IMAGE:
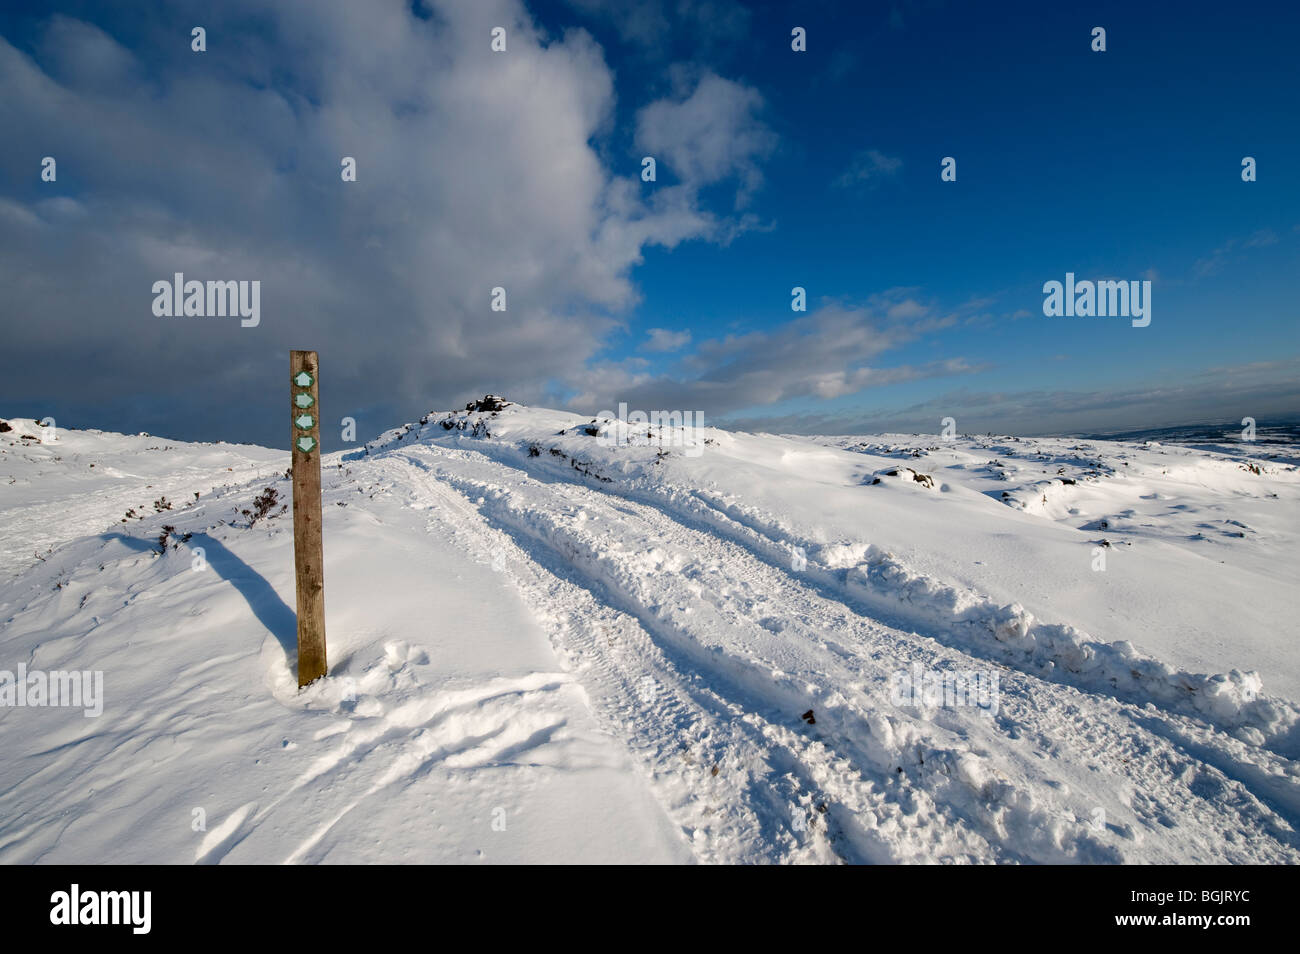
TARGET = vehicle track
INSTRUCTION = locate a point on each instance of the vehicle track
(736, 646)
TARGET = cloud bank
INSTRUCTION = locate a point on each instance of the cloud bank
(475, 170)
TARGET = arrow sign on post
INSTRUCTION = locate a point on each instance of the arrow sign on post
(309, 560)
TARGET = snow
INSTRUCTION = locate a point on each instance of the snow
(549, 645)
(79, 482)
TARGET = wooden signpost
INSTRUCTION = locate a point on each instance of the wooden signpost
(309, 562)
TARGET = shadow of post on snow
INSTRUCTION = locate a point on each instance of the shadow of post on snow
(262, 599)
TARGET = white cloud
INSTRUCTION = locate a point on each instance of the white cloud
(828, 353)
(1215, 394)
(1231, 251)
(868, 168)
(711, 134)
(475, 169)
(661, 339)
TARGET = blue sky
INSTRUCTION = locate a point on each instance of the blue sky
(775, 169)
(1118, 164)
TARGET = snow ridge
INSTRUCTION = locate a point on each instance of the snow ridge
(883, 582)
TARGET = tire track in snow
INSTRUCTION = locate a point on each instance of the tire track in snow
(1021, 817)
(677, 729)
(697, 509)
(754, 688)
(1268, 772)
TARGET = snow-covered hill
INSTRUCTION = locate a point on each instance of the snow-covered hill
(559, 639)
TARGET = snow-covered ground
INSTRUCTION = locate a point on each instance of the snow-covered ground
(549, 645)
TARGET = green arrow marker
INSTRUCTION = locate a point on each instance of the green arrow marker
(304, 421)
(302, 379)
(303, 400)
(305, 444)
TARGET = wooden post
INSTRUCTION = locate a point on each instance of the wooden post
(309, 561)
